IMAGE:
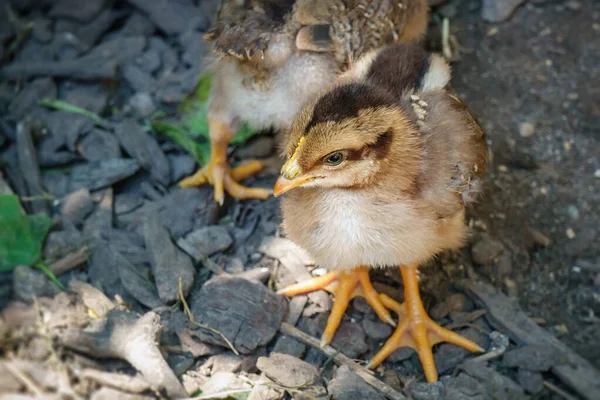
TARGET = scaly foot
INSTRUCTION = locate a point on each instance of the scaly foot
(218, 172)
(416, 329)
(345, 285)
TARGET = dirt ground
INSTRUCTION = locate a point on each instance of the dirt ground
(542, 67)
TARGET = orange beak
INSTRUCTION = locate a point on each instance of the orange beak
(284, 185)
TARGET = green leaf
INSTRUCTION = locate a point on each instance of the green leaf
(64, 106)
(190, 130)
(21, 235)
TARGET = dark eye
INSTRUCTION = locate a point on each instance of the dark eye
(334, 158)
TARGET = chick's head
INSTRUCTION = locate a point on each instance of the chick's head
(346, 139)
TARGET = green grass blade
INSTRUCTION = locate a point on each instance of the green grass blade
(68, 107)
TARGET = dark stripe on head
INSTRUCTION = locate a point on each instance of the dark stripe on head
(399, 67)
(345, 102)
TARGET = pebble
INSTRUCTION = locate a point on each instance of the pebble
(142, 104)
(287, 370)
(426, 391)
(573, 212)
(526, 129)
(597, 173)
(376, 330)
(77, 206)
(206, 241)
(487, 250)
(346, 385)
(531, 381)
(534, 358)
(570, 233)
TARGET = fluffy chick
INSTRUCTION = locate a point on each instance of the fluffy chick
(276, 55)
(383, 166)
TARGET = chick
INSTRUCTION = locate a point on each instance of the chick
(383, 166)
(276, 55)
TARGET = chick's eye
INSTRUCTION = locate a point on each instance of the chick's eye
(334, 159)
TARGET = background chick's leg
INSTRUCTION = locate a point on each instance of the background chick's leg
(218, 172)
(416, 329)
(345, 285)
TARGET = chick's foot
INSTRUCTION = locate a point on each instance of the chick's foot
(416, 329)
(218, 172)
(345, 285)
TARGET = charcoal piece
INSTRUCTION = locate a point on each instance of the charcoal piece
(287, 370)
(449, 355)
(78, 10)
(426, 391)
(247, 313)
(346, 385)
(195, 48)
(143, 104)
(135, 282)
(287, 345)
(6, 28)
(122, 49)
(76, 206)
(177, 84)
(91, 32)
(29, 97)
(145, 149)
(376, 330)
(463, 386)
(182, 165)
(138, 25)
(138, 79)
(169, 264)
(101, 174)
(99, 145)
(85, 68)
(498, 10)
(30, 169)
(349, 339)
(535, 357)
(29, 283)
(497, 385)
(55, 159)
(127, 202)
(169, 59)
(101, 219)
(531, 381)
(67, 127)
(129, 244)
(2, 139)
(90, 96)
(171, 17)
(42, 30)
(149, 61)
(56, 183)
(180, 211)
(206, 241)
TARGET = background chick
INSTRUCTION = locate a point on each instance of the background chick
(276, 55)
(384, 164)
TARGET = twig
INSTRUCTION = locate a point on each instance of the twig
(28, 382)
(498, 347)
(559, 391)
(190, 316)
(126, 383)
(70, 261)
(341, 359)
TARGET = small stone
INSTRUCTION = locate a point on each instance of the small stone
(348, 339)
(29, 283)
(531, 381)
(76, 206)
(459, 302)
(570, 233)
(101, 174)
(573, 5)
(287, 370)
(142, 104)
(182, 165)
(526, 129)
(224, 362)
(287, 345)
(426, 391)
(498, 10)
(573, 212)
(180, 363)
(487, 251)
(376, 330)
(346, 385)
(169, 264)
(234, 265)
(597, 173)
(206, 241)
(138, 79)
(534, 358)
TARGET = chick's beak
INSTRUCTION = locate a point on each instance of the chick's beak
(284, 185)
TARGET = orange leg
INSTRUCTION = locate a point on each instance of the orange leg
(345, 285)
(417, 330)
(218, 172)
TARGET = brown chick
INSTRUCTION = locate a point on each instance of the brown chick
(276, 55)
(382, 167)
